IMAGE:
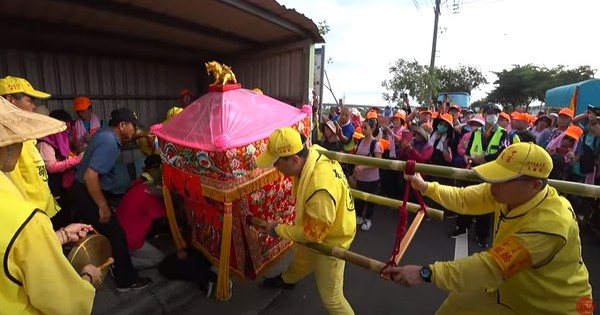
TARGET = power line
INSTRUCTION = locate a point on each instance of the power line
(416, 3)
(482, 2)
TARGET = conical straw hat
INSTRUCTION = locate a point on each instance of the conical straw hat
(17, 125)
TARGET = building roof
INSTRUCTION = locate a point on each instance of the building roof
(175, 29)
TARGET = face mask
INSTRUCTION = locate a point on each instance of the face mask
(442, 128)
(491, 119)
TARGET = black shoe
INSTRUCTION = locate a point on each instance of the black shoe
(451, 215)
(458, 233)
(277, 283)
(482, 242)
(139, 284)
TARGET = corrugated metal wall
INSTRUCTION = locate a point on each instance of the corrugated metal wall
(281, 73)
(148, 88)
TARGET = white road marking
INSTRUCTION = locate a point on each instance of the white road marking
(461, 246)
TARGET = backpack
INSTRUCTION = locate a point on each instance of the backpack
(372, 148)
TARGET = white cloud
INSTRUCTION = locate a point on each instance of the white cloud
(367, 36)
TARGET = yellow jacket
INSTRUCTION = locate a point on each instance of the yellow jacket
(535, 265)
(36, 277)
(324, 205)
(31, 178)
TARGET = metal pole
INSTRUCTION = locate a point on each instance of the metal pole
(433, 46)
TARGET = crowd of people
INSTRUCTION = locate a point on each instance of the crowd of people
(536, 251)
(457, 137)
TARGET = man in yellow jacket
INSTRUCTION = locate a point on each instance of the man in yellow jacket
(36, 276)
(324, 214)
(30, 175)
(535, 265)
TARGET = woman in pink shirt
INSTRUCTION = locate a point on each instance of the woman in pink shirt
(367, 177)
(394, 134)
(57, 156)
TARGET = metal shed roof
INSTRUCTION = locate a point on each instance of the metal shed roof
(179, 30)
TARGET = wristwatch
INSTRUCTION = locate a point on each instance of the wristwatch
(426, 273)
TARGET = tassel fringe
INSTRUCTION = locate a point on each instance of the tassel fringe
(223, 290)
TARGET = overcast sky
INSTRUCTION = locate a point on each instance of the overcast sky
(368, 35)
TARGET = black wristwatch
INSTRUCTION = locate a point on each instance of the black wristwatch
(426, 273)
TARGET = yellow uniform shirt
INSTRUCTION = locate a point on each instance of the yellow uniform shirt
(36, 277)
(31, 178)
(327, 213)
(534, 267)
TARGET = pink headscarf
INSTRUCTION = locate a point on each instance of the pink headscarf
(59, 141)
(557, 143)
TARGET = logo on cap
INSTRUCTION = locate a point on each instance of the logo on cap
(286, 148)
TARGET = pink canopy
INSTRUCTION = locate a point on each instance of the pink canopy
(223, 120)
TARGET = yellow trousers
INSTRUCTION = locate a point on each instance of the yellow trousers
(472, 303)
(329, 272)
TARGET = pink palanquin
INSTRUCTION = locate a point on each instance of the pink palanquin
(209, 153)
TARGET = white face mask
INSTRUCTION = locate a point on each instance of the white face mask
(491, 119)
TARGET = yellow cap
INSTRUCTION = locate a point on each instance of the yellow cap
(524, 158)
(358, 135)
(13, 85)
(282, 142)
(174, 111)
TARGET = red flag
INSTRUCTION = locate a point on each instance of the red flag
(573, 103)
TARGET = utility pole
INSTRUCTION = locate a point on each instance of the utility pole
(433, 46)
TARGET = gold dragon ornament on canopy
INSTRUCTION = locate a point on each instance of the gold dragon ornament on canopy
(222, 73)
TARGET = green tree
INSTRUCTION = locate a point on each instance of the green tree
(407, 77)
(515, 86)
(522, 85)
(323, 28)
(415, 79)
(461, 79)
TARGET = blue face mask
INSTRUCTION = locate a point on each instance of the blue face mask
(442, 128)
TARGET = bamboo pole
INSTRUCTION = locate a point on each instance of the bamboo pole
(393, 203)
(452, 172)
(329, 250)
(346, 255)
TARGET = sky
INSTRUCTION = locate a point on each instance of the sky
(367, 36)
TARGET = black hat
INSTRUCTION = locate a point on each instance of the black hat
(491, 107)
(123, 115)
(594, 108)
(152, 161)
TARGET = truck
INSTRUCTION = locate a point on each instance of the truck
(461, 99)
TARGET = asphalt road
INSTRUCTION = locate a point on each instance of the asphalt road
(369, 294)
(365, 290)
